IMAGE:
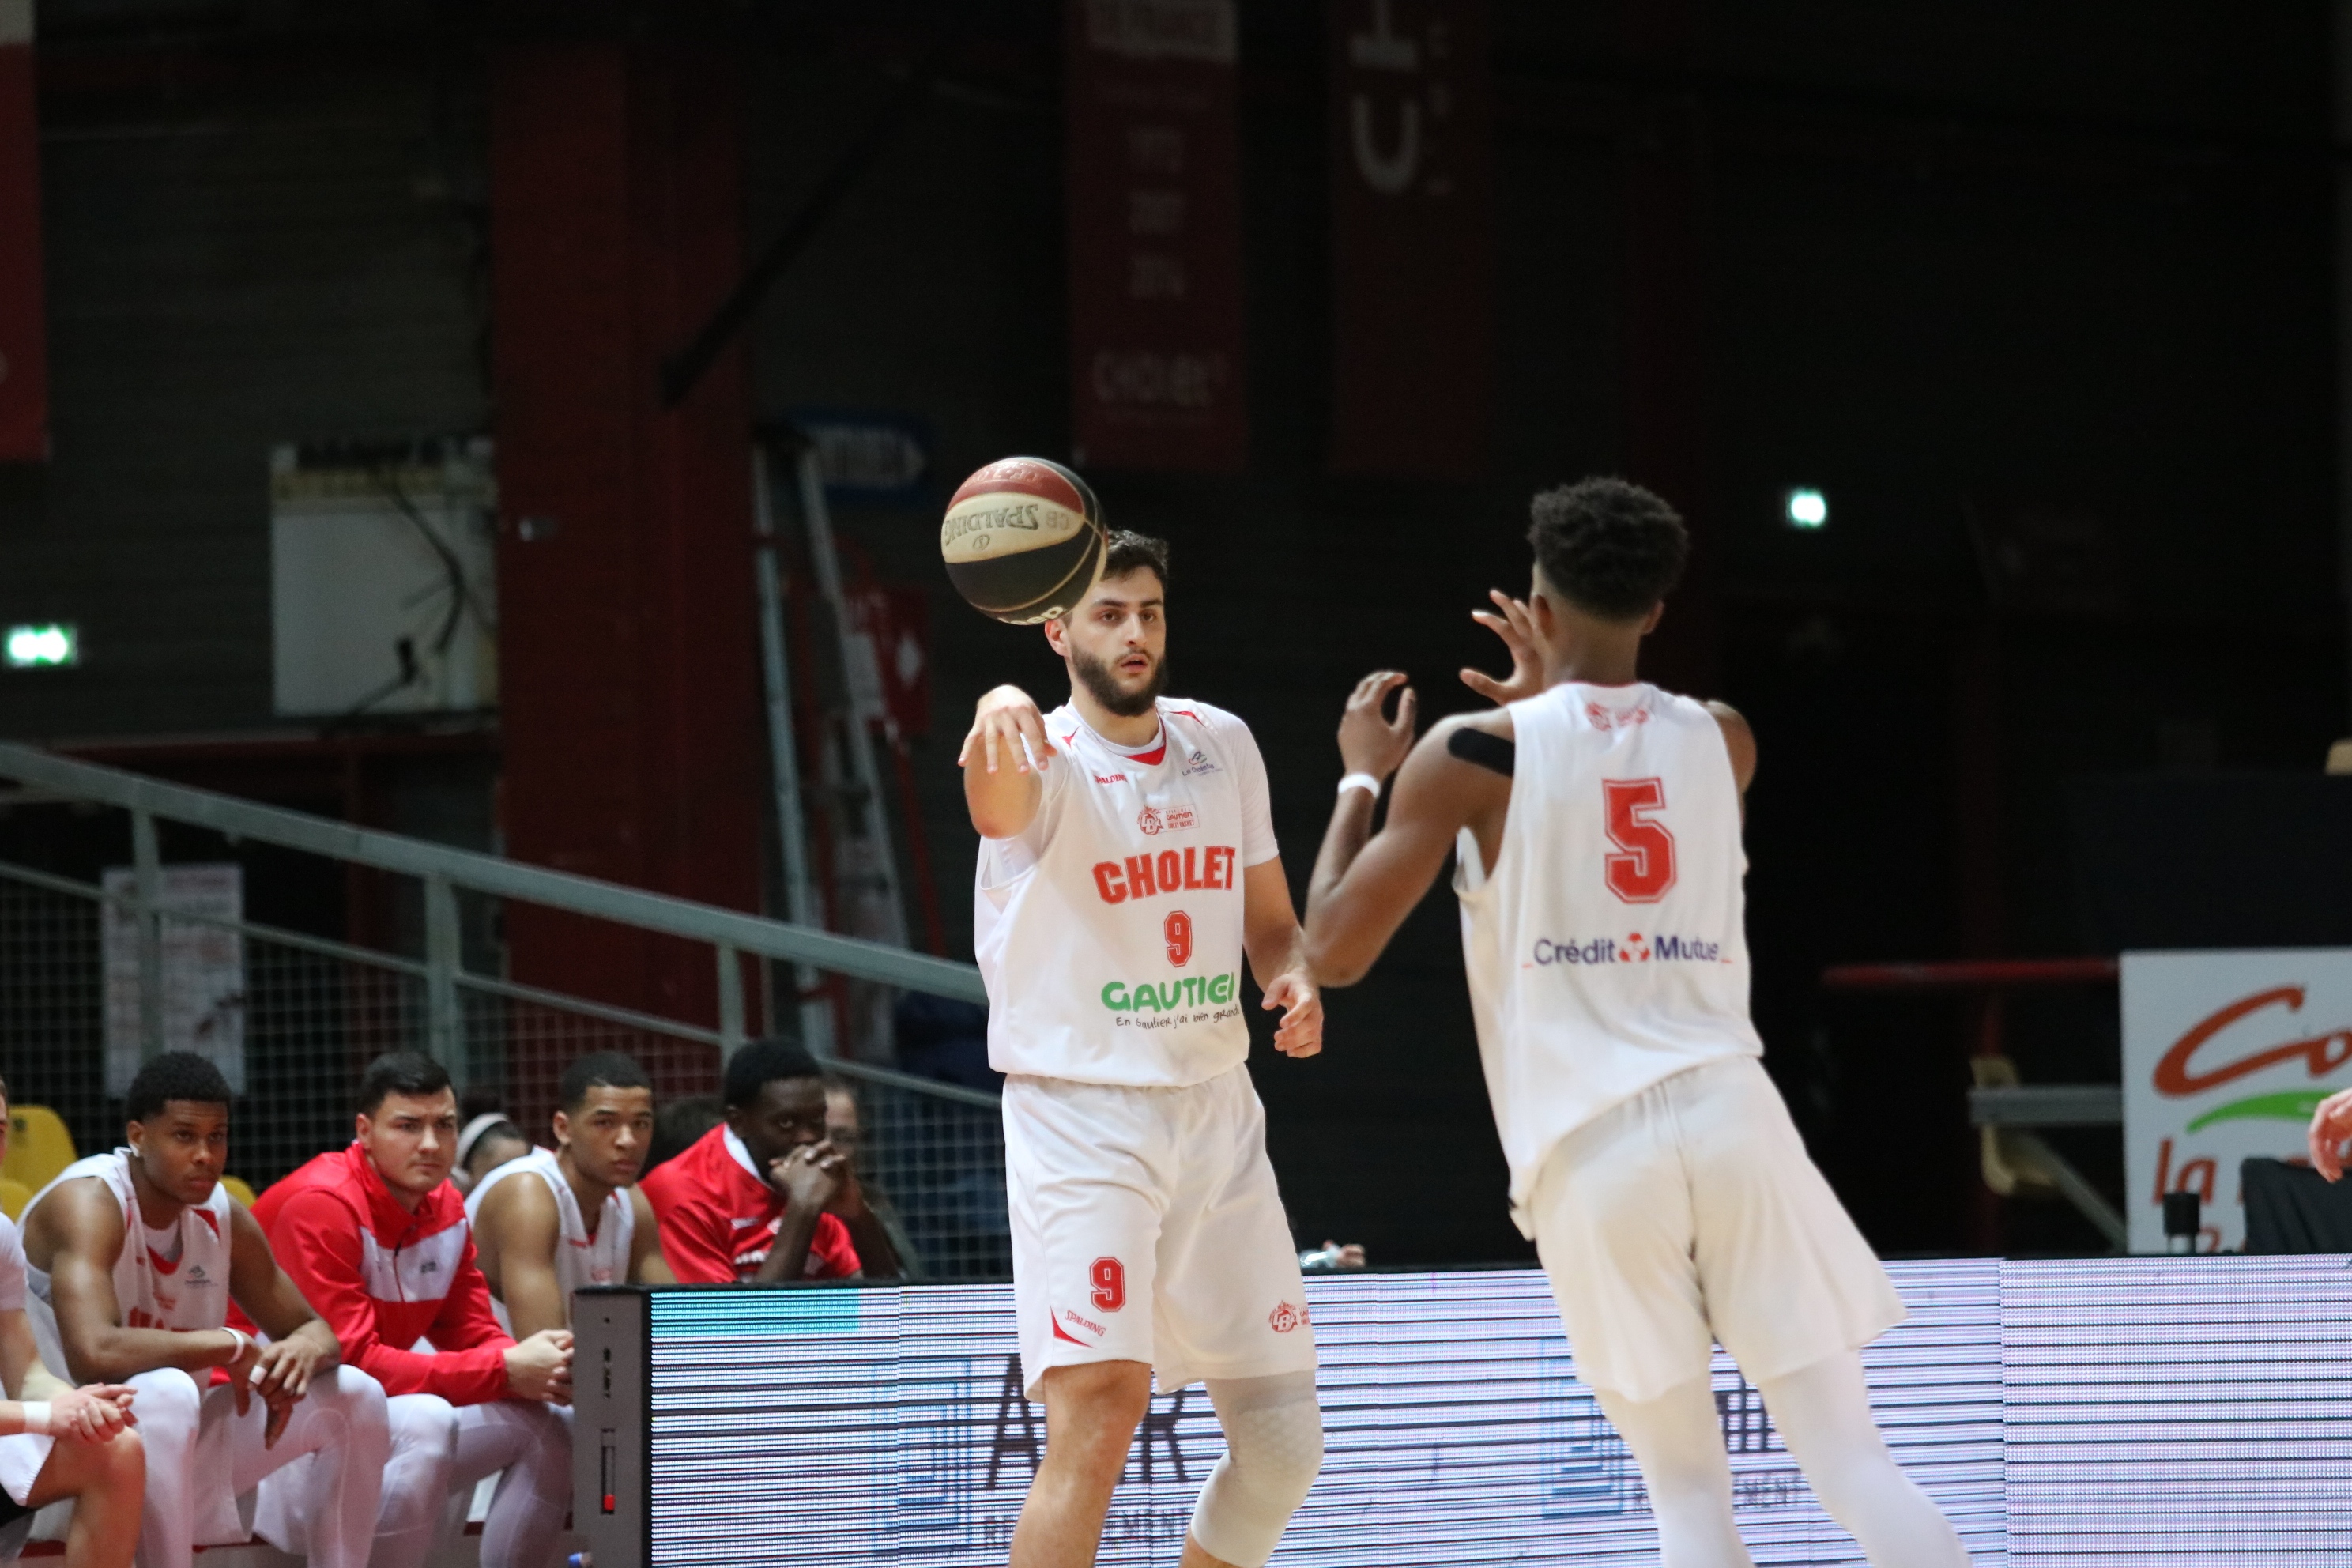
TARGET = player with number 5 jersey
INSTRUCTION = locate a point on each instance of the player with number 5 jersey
(1595, 821)
(1126, 866)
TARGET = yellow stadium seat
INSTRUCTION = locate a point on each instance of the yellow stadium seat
(239, 1190)
(38, 1146)
(14, 1197)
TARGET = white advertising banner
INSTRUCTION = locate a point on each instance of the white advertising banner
(2225, 1055)
(204, 970)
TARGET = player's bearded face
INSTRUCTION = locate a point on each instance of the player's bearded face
(1127, 685)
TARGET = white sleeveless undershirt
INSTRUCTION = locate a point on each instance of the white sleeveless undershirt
(1605, 947)
(581, 1259)
(183, 1285)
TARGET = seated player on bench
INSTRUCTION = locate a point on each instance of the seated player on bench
(66, 1442)
(763, 1196)
(550, 1222)
(135, 1257)
(376, 1237)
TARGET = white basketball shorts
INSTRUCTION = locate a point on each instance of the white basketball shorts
(1691, 1213)
(1146, 1226)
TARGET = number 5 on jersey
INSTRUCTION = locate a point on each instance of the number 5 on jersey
(1643, 868)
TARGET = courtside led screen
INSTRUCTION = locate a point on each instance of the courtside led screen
(2113, 1412)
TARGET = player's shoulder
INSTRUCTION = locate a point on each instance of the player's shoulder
(518, 1198)
(1193, 710)
(1188, 719)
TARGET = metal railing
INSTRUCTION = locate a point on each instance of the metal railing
(298, 1012)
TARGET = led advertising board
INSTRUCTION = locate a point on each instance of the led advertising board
(2060, 1412)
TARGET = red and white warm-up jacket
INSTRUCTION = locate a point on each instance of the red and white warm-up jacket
(384, 1278)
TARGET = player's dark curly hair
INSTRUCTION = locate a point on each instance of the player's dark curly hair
(1614, 548)
(761, 1063)
(174, 1074)
(1132, 551)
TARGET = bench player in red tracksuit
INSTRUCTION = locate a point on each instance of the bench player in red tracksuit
(376, 1238)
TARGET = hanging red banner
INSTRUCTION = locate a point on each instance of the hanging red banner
(1412, 193)
(24, 356)
(1156, 351)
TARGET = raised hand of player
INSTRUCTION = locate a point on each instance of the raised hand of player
(1300, 1033)
(1005, 719)
(2331, 1129)
(92, 1413)
(1516, 625)
(811, 1174)
(1370, 741)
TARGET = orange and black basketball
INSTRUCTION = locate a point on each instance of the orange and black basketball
(1024, 540)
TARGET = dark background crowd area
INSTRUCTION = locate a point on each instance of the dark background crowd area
(2042, 298)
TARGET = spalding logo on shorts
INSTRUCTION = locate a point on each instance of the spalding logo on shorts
(1023, 540)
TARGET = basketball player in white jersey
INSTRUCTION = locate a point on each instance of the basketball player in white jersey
(1596, 823)
(135, 1257)
(1128, 862)
(549, 1222)
(58, 1442)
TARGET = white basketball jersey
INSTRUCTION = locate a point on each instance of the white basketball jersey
(580, 1258)
(151, 1290)
(1110, 933)
(1605, 947)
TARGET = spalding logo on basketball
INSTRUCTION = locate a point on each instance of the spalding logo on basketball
(1024, 540)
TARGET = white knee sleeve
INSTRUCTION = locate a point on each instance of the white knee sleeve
(1273, 1445)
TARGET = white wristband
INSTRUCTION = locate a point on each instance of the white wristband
(37, 1416)
(243, 1342)
(1365, 782)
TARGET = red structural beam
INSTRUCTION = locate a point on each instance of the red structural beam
(1971, 975)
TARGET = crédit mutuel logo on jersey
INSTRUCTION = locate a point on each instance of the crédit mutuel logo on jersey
(1635, 949)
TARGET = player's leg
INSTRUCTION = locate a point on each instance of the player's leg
(1677, 1441)
(417, 1481)
(1091, 1414)
(1822, 1412)
(1793, 1291)
(106, 1481)
(532, 1445)
(1273, 1447)
(1614, 1224)
(170, 1415)
(342, 1427)
(1081, 1190)
(1233, 1312)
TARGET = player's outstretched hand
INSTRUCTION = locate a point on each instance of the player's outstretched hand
(2331, 1129)
(1300, 1033)
(1005, 719)
(1516, 627)
(1370, 741)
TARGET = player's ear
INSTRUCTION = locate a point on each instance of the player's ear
(1650, 622)
(1057, 634)
(561, 1123)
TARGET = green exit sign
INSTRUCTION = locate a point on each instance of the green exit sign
(51, 646)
